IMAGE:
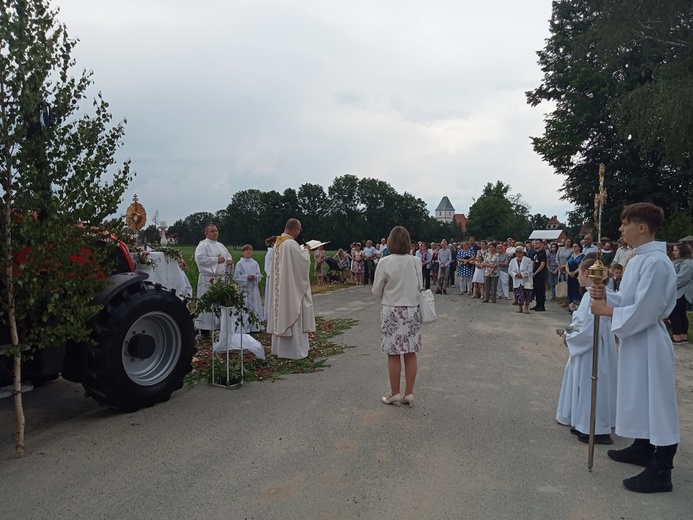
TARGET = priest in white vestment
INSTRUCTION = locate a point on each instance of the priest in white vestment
(213, 261)
(290, 315)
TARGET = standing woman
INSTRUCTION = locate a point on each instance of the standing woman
(552, 260)
(521, 270)
(564, 253)
(320, 266)
(357, 263)
(269, 242)
(400, 318)
(465, 268)
(572, 270)
(683, 263)
(424, 255)
(479, 272)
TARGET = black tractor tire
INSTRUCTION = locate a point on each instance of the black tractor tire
(145, 344)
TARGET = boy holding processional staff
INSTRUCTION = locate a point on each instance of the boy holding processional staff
(646, 408)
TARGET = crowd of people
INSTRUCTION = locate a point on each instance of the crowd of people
(528, 273)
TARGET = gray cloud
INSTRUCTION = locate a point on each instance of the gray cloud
(222, 96)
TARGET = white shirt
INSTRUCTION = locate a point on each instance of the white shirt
(398, 280)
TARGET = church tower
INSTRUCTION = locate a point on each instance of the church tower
(445, 212)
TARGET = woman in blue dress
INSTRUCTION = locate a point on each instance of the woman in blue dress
(465, 268)
(572, 270)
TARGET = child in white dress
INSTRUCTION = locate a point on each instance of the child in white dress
(248, 276)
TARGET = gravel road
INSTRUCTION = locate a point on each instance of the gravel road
(481, 442)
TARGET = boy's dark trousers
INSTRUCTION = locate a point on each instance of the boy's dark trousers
(540, 290)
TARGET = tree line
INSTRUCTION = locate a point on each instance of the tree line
(354, 209)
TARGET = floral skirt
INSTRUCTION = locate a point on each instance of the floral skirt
(400, 330)
(523, 295)
(357, 266)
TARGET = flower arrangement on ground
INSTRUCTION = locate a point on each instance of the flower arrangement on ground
(222, 293)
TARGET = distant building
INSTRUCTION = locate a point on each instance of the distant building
(549, 235)
(461, 221)
(445, 212)
(553, 223)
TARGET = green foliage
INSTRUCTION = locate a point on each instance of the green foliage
(677, 226)
(220, 293)
(352, 209)
(657, 110)
(53, 162)
(611, 86)
(191, 229)
(495, 215)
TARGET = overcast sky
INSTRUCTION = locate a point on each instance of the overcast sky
(226, 95)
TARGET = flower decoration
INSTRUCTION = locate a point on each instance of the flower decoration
(222, 293)
(170, 252)
(142, 257)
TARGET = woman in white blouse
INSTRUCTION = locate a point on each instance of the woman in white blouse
(521, 270)
(398, 281)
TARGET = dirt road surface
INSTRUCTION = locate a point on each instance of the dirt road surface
(481, 443)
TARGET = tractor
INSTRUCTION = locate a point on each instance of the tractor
(143, 344)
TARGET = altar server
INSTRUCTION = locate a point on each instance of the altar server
(574, 403)
(646, 408)
(247, 275)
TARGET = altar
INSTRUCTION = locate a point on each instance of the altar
(166, 272)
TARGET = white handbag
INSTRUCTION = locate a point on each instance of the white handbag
(427, 306)
(427, 303)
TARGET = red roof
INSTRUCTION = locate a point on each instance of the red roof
(461, 221)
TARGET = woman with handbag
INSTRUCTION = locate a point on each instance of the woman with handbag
(554, 271)
(521, 270)
(398, 282)
(564, 253)
(683, 264)
(572, 270)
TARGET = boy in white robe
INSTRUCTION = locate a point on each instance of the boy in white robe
(247, 275)
(646, 408)
(574, 403)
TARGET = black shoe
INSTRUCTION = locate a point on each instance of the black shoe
(598, 439)
(438, 291)
(533, 308)
(638, 455)
(539, 310)
(652, 480)
(575, 432)
(444, 291)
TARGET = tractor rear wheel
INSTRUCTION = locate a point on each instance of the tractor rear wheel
(145, 344)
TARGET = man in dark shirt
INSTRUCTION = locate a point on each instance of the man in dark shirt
(539, 276)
